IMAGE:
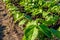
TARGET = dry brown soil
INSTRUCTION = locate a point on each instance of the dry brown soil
(8, 29)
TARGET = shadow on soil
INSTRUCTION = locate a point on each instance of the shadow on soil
(1, 32)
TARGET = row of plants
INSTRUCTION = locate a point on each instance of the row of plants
(38, 15)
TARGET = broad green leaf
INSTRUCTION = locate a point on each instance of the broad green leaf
(55, 32)
(35, 33)
(45, 30)
(33, 22)
(31, 33)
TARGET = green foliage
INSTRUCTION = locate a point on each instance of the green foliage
(45, 12)
(45, 30)
(31, 32)
(55, 32)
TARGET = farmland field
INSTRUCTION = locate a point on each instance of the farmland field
(29, 19)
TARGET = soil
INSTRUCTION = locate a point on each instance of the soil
(8, 29)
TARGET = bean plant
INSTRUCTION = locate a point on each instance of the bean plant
(37, 16)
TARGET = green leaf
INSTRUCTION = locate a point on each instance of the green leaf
(44, 14)
(31, 33)
(28, 17)
(45, 30)
(47, 3)
(33, 22)
(58, 28)
(18, 16)
(55, 32)
(6, 1)
(22, 22)
(35, 33)
(12, 7)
